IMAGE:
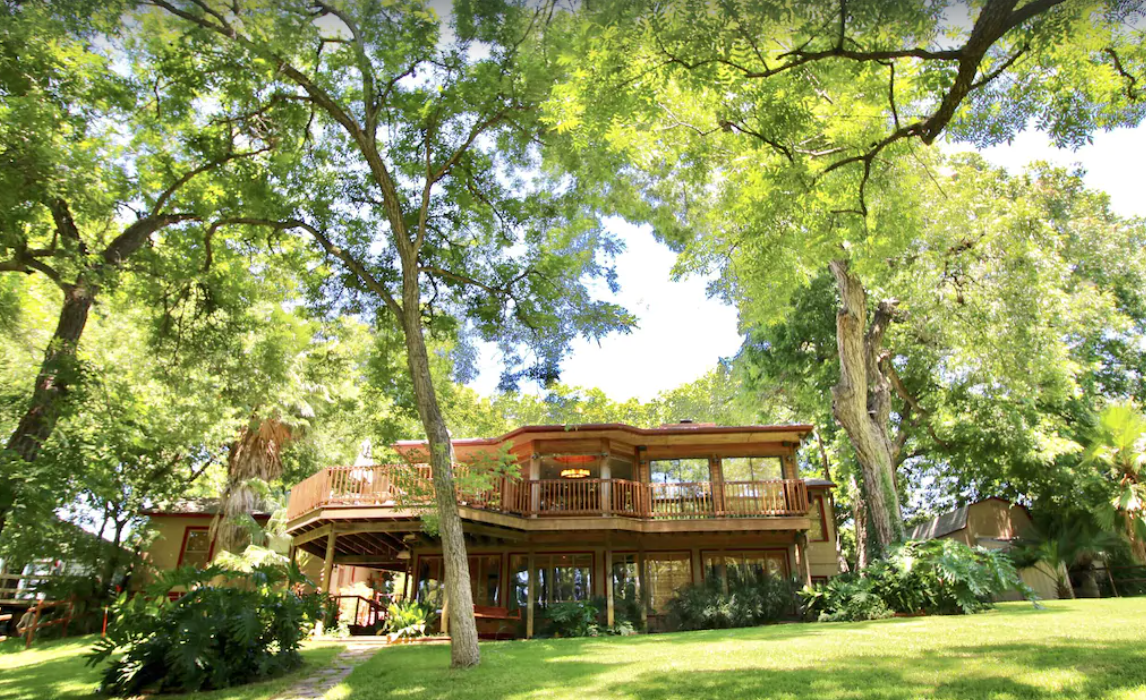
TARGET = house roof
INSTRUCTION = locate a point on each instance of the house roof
(671, 432)
(941, 525)
(953, 521)
(194, 507)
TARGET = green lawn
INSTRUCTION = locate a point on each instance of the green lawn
(1073, 649)
(56, 670)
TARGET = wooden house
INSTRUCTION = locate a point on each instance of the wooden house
(562, 513)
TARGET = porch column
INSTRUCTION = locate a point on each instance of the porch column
(697, 566)
(642, 583)
(716, 476)
(328, 562)
(606, 487)
(802, 557)
(532, 588)
(445, 609)
(609, 615)
(534, 487)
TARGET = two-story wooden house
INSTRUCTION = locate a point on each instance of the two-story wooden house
(594, 510)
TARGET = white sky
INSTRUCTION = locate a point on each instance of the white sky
(683, 333)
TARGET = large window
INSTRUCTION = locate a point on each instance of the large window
(626, 581)
(747, 564)
(485, 579)
(668, 572)
(196, 549)
(560, 578)
(675, 471)
(818, 532)
(751, 468)
(431, 579)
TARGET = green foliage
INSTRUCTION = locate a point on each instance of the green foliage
(229, 628)
(574, 618)
(940, 577)
(748, 600)
(409, 619)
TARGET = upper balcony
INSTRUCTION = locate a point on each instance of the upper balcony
(389, 490)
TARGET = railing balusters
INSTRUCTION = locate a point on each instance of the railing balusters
(395, 485)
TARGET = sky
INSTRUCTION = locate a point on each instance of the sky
(683, 333)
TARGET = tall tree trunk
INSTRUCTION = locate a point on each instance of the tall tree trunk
(52, 385)
(861, 402)
(464, 651)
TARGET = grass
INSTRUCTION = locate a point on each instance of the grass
(1072, 649)
(56, 670)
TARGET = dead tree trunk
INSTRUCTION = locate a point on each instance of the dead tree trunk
(861, 402)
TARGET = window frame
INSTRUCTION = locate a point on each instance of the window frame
(187, 530)
(819, 500)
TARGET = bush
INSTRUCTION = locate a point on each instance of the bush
(749, 600)
(934, 576)
(231, 627)
(573, 619)
(409, 619)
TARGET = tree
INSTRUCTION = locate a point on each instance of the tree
(770, 142)
(99, 164)
(1120, 447)
(418, 172)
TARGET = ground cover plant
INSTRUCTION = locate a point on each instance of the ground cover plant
(747, 600)
(1071, 649)
(230, 628)
(941, 577)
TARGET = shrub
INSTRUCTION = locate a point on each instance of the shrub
(409, 619)
(933, 576)
(573, 619)
(231, 627)
(749, 600)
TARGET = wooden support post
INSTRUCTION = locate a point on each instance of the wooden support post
(445, 610)
(642, 584)
(328, 562)
(697, 567)
(606, 487)
(531, 563)
(802, 557)
(610, 617)
(534, 487)
(716, 478)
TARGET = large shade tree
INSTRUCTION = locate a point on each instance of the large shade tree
(416, 167)
(104, 161)
(773, 141)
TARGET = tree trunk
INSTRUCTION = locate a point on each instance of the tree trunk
(861, 402)
(52, 385)
(464, 650)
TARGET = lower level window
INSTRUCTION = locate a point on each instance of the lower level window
(749, 564)
(668, 572)
(560, 578)
(485, 579)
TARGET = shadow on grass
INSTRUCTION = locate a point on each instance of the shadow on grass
(902, 668)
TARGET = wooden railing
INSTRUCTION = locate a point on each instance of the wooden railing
(399, 486)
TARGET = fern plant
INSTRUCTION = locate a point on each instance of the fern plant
(409, 619)
(230, 627)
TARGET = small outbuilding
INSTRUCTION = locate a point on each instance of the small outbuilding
(992, 523)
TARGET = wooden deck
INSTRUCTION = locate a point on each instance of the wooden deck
(399, 489)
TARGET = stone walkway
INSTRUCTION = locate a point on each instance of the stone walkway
(317, 685)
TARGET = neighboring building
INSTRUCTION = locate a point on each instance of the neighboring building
(992, 523)
(612, 511)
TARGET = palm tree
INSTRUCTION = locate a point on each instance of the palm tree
(1120, 448)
